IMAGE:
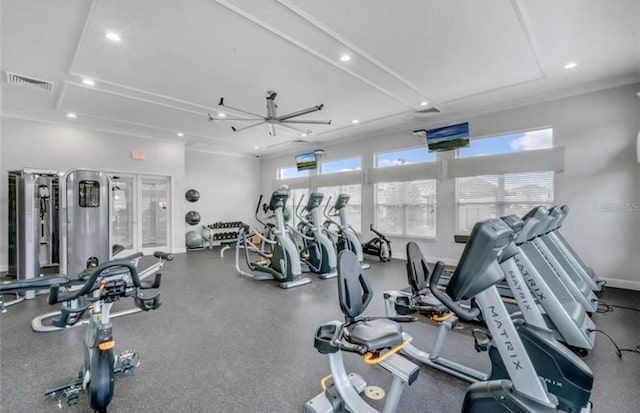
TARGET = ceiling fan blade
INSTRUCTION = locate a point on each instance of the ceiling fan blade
(254, 115)
(284, 125)
(212, 118)
(300, 112)
(311, 122)
(248, 127)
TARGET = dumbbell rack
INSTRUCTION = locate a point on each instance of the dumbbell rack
(221, 233)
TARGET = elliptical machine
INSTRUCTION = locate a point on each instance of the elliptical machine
(281, 262)
(380, 246)
(318, 251)
(346, 237)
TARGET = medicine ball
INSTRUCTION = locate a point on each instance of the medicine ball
(192, 218)
(192, 195)
(193, 239)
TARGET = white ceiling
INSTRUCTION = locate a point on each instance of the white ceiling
(177, 58)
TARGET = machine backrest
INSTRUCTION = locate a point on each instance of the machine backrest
(315, 199)
(278, 199)
(341, 201)
(417, 270)
(478, 268)
(354, 291)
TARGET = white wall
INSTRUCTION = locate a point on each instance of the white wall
(229, 186)
(49, 146)
(598, 132)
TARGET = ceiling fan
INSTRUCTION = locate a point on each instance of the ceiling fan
(272, 119)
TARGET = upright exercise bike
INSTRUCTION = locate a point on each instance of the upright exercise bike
(106, 283)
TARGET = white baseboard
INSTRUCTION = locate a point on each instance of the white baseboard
(181, 250)
(625, 284)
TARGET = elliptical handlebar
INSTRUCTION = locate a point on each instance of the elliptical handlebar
(90, 283)
(468, 315)
(258, 210)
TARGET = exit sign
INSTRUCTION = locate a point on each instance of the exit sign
(137, 155)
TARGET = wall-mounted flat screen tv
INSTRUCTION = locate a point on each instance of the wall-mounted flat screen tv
(306, 161)
(448, 138)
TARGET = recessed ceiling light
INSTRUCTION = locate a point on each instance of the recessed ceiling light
(222, 115)
(345, 58)
(113, 36)
(88, 82)
(256, 147)
(355, 121)
(424, 103)
(71, 115)
(180, 135)
(570, 65)
(304, 134)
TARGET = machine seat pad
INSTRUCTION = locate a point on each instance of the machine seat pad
(33, 283)
(164, 255)
(376, 334)
(576, 311)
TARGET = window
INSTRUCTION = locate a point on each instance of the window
(494, 196)
(515, 142)
(406, 208)
(354, 207)
(292, 172)
(294, 198)
(341, 165)
(404, 157)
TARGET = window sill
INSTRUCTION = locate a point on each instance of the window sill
(418, 237)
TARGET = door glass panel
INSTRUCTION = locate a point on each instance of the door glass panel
(123, 211)
(155, 212)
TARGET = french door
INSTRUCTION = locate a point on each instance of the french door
(140, 212)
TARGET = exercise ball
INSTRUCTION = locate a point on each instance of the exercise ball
(193, 239)
(192, 218)
(286, 213)
(192, 195)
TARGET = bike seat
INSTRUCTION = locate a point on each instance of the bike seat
(39, 283)
(164, 255)
(375, 334)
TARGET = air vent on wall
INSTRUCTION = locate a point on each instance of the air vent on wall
(26, 81)
(428, 112)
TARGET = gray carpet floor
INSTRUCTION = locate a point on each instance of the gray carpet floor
(222, 343)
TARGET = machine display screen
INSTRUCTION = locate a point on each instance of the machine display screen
(89, 194)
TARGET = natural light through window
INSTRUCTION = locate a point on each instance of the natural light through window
(292, 172)
(515, 142)
(341, 165)
(404, 157)
(494, 196)
(406, 208)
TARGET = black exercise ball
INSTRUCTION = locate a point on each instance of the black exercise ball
(192, 195)
(192, 218)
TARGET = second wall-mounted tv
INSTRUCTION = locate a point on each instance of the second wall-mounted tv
(306, 161)
(448, 138)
